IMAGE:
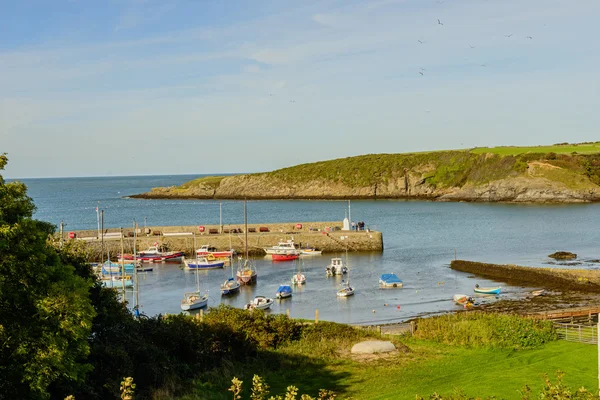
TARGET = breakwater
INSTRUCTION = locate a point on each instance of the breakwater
(325, 236)
(564, 279)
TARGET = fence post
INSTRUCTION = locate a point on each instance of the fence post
(287, 312)
(317, 316)
(201, 315)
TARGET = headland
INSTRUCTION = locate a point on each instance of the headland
(562, 173)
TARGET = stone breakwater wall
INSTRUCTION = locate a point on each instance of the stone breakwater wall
(321, 235)
(565, 279)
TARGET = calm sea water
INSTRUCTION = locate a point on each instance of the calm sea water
(420, 239)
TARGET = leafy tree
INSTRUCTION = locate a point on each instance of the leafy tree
(45, 310)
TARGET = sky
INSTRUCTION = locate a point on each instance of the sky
(142, 87)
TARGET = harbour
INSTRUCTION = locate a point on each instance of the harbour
(419, 241)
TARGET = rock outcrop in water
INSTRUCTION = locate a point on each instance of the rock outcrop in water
(443, 176)
(563, 255)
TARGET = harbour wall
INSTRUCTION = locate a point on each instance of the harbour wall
(564, 279)
(324, 236)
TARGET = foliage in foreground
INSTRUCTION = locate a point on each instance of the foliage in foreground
(485, 329)
(260, 391)
(551, 390)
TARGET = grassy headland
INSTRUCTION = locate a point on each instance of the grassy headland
(558, 173)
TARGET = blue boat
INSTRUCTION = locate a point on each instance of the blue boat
(230, 286)
(110, 267)
(203, 263)
(389, 281)
(284, 291)
(488, 290)
(117, 282)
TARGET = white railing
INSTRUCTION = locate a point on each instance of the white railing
(577, 333)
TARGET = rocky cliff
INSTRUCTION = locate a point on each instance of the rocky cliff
(444, 176)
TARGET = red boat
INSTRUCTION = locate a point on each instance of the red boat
(206, 250)
(284, 257)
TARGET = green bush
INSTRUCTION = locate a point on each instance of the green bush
(263, 330)
(485, 329)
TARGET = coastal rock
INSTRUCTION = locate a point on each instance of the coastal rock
(563, 255)
(373, 347)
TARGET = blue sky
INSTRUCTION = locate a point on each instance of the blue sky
(134, 87)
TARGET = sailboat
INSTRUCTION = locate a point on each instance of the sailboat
(298, 278)
(194, 300)
(346, 289)
(246, 274)
(231, 285)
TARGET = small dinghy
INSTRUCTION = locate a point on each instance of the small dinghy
(260, 302)
(389, 281)
(462, 299)
(311, 252)
(487, 290)
(284, 291)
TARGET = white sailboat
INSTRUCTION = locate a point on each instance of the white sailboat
(346, 289)
(298, 278)
(246, 274)
(194, 300)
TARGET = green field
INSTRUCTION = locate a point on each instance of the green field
(429, 367)
(584, 148)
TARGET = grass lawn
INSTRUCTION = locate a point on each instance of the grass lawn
(560, 149)
(428, 368)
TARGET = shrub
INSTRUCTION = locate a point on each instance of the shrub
(485, 329)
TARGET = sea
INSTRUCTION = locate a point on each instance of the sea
(420, 240)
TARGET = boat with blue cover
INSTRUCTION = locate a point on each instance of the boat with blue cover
(389, 281)
(284, 291)
(487, 290)
(230, 286)
(203, 263)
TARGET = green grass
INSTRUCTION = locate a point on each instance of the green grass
(211, 181)
(583, 148)
(428, 368)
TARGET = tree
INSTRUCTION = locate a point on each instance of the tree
(45, 310)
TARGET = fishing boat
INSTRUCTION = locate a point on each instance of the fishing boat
(203, 262)
(117, 282)
(284, 291)
(287, 247)
(194, 300)
(336, 267)
(260, 302)
(206, 250)
(487, 290)
(462, 299)
(389, 281)
(298, 278)
(284, 257)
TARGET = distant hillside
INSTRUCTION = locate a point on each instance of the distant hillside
(558, 173)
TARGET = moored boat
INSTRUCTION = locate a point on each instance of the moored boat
(284, 257)
(336, 267)
(487, 290)
(109, 267)
(203, 263)
(310, 252)
(260, 302)
(284, 291)
(287, 247)
(389, 281)
(193, 300)
(345, 291)
(206, 250)
(156, 254)
(117, 282)
(230, 286)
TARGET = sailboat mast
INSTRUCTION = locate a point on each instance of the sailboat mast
(123, 265)
(246, 227)
(135, 271)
